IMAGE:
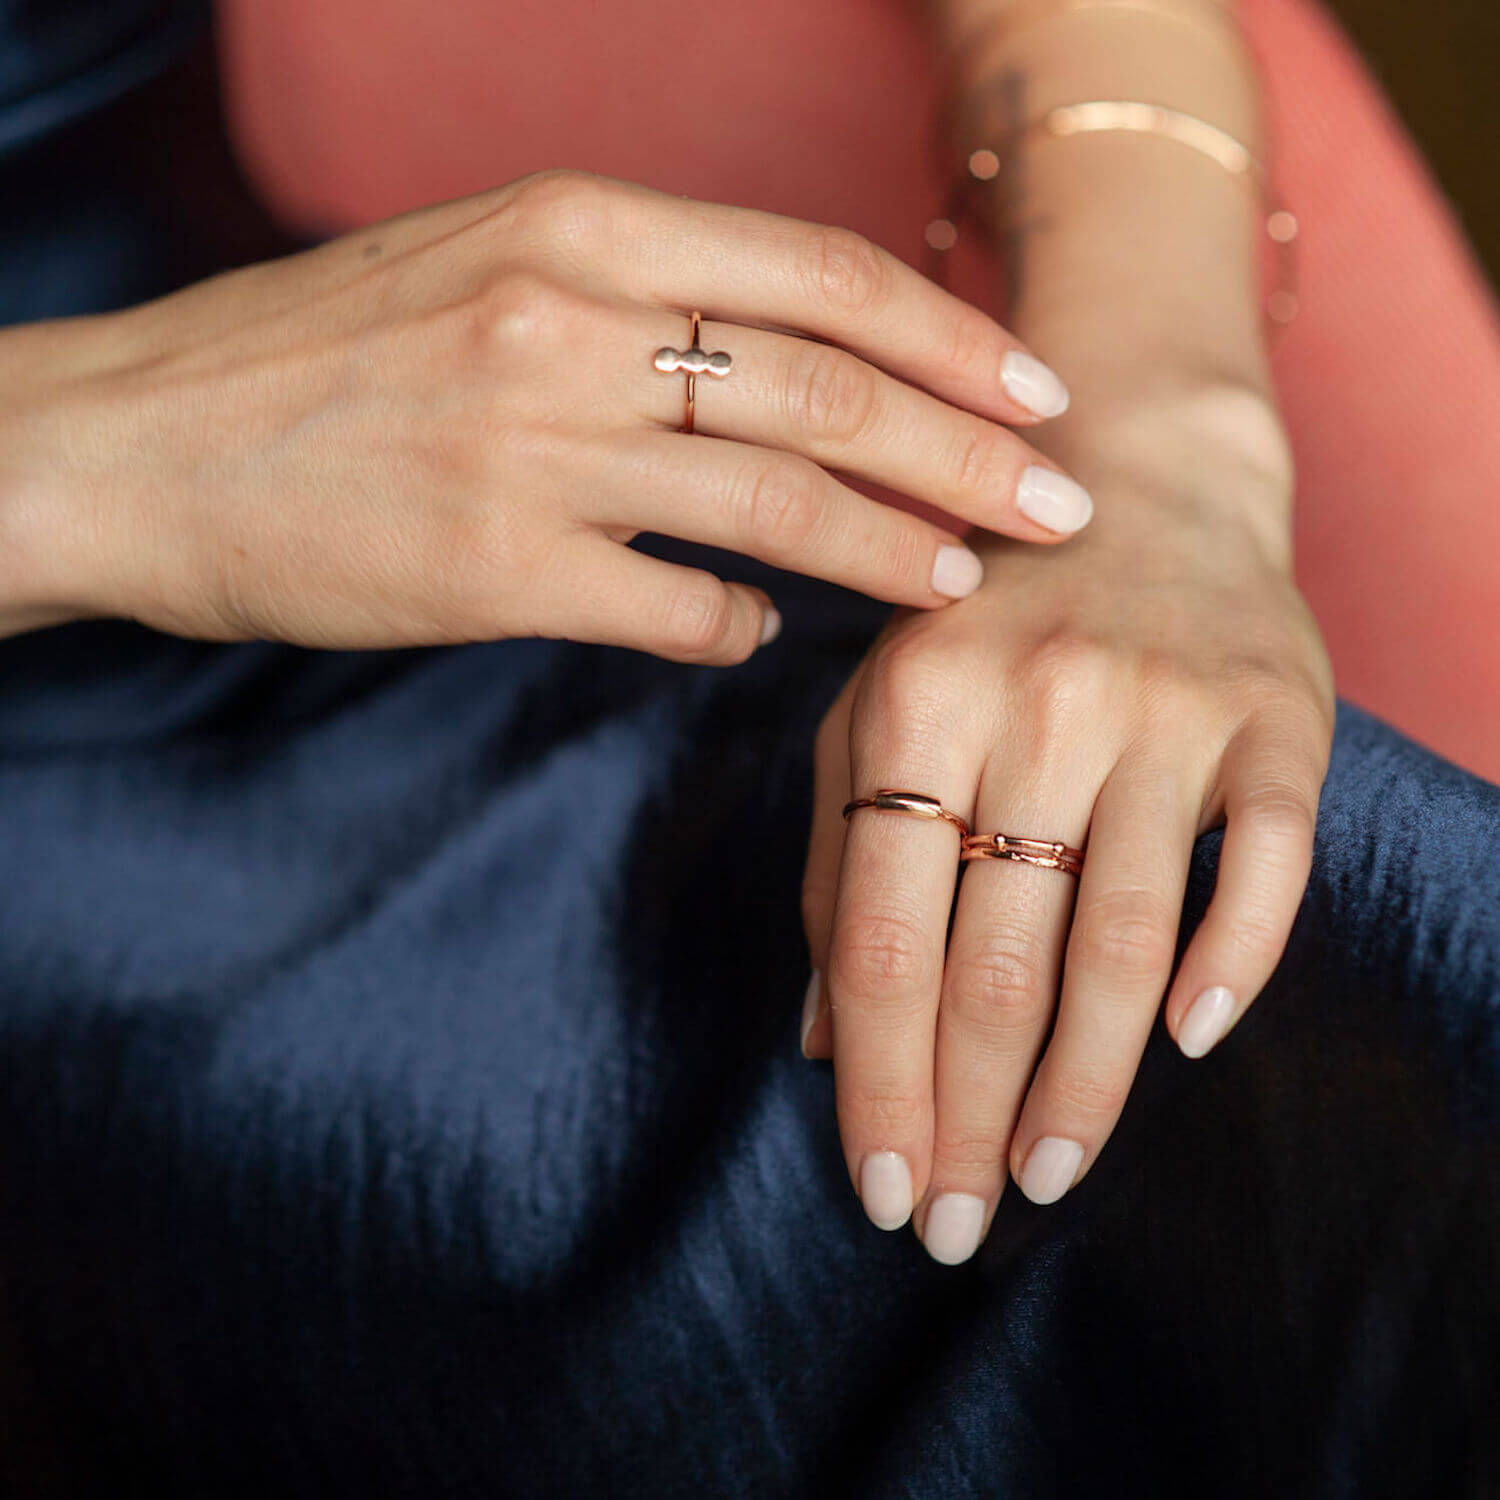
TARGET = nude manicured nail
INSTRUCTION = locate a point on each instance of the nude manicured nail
(1053, 500)
(1051, 1168)
(770, 625)
(1028, 381)
(885, 1188)
(1206, 1022)
(956, 572)
(951, 1230)
(810, 1006)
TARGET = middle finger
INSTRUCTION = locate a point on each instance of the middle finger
(999, 994)
(827, 404)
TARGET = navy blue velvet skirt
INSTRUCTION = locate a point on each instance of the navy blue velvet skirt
(400, 1096)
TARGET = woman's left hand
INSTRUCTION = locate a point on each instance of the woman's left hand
(1152, 678)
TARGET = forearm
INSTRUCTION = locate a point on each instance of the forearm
(1132, 258)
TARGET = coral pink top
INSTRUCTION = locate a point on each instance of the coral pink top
(350, 110)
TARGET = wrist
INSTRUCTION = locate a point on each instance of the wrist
(48, 532)
(1208, 449)
(1189, 456)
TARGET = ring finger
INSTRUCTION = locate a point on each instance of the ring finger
(778, 507)
(1119, 958)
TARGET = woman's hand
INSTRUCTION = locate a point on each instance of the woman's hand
(445, 427)
(1157, 676)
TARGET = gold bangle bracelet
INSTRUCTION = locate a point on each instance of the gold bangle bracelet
(1090, 116)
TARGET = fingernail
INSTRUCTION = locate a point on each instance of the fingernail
(952, 1227)
(1051, 1168)
(810, 1007)
(956, 572)
(885, 1188)
(1053, 500)
(1027, 380)
(770, 625)
(1206, 1022)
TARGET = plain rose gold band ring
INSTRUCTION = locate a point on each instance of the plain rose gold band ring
(888, 799)
(693, 362)
(1044, 852)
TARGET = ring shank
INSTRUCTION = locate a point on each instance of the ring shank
(1050, 854)
(917, 804)
(692, 378)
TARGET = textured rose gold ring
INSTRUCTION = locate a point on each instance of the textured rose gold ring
(693, 362)
(1044, 852)
(888, 799)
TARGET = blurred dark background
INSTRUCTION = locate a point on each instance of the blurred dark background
(1439, 60)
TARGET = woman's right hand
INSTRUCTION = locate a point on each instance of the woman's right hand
(444, 427)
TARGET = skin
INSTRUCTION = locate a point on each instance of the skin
(386, 441)
(1155, 677)
(445, 428)
(1191, 691)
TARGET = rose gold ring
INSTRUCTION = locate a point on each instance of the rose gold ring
(888, 799)
(1044, 852)
(693, 362)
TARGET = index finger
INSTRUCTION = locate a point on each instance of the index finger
(745, 265)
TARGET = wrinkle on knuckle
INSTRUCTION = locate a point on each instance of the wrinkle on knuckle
(699, 617)
(887, 1107)
(979, 467)
(1254, 935)
(972, 343)
(999, 990)
(1129, 933)
(1278, 814)
(849, 272)
(968, 1155)
(831, 395)
(1086, 1095)
(781, 506)
(877, 953)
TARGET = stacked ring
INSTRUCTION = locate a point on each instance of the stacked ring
(1044, 852)
(888, 799)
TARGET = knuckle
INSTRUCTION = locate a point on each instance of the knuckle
(1255, 936)
(908, 687)
(830, 394)
(1279, 814)
(876, 953)
(521, 307)
(562, 205)
(1128, 932)
(972, 342)
(700, 618)
(1089, 1095)
(893, 1112)
(781, 505)
(966, 1155)
(979, 466)
(1064, 682)
(999, 989)
(849, 272)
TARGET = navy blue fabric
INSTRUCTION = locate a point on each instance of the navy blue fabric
(400, 1096)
